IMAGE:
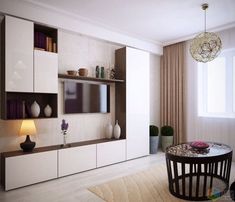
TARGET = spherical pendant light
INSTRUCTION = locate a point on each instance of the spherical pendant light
(205, 46)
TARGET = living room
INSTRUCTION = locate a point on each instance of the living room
(142, 55)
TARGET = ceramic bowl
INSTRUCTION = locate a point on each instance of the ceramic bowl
(72, 72)
(83, 72)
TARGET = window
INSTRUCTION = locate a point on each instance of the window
(216, 86)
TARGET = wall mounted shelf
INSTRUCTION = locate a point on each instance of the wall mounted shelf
(65, 76)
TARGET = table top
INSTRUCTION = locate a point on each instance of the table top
(186, 150)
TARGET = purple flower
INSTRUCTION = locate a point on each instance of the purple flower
(64, 127)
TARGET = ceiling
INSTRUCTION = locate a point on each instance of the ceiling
(159, 21)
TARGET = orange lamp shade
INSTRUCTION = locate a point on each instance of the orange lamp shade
(27, 128)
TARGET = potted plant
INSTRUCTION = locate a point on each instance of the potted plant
(167, 133)
(154, 139)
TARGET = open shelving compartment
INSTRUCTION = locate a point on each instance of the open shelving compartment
(18, 105)
(45, 38)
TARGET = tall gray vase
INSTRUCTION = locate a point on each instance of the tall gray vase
(166, 142)
(154, 141)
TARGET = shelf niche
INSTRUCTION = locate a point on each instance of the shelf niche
(18, 105)
(45, 38)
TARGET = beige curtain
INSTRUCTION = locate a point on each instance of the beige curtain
(173, 90)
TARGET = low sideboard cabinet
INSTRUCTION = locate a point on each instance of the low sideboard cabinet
(19, 169)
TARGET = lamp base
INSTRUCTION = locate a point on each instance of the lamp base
(28, 145)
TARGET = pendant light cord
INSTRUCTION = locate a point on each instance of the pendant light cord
(205, 21)
(205, 7)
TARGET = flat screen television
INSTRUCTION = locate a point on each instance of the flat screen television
(86, 98)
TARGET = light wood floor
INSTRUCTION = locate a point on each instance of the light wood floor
(74, 188)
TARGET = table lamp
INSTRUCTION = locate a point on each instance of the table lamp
(27, 128)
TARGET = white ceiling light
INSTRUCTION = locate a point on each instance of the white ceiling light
(205, 46)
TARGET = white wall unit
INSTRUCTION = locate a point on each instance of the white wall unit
(29, 169)
(76, 159)
(111, 152)
(45, 72)
(18, 55)
(137, 103)
(20, 169)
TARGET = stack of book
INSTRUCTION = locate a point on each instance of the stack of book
(17, 109)
(14, 109)
(44, 42)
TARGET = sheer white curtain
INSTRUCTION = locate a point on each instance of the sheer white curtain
(220, 130)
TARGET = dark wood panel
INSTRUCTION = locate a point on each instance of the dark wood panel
(65, 76)
(2, 71)
(2, 171)
(120, 90)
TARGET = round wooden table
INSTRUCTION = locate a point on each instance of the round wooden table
(198, 174)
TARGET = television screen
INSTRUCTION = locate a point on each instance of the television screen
(86, 98)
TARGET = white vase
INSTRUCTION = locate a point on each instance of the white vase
(64, 140)
(109, 131)
(35, 109)
(47, 111)
(117, 131)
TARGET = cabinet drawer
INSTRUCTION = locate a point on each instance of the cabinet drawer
(29, 169)
(111, 152)
(77, 159)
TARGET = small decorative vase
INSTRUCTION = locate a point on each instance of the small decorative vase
(97, 72)
(117, 130)
(112, 73)
(47, 111)
(35, 109)
(64, 140)
(102, 72)
(109, 131)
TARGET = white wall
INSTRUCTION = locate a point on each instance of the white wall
(203, 128)
(155, 90)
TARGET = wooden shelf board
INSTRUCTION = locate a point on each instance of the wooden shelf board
(65, 76)
(57, 147)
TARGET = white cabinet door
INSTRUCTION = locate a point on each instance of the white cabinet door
(18, 55)
(45, 72)
(137, 103)
(77, 159)
(111, 152)
(30, 168)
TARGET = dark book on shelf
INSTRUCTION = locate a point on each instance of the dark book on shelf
(40, 40)
(27, 111)
(8, 109)
(14, 109)
(11, 109)
(19, 109)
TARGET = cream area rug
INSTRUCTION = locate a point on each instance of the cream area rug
(147, 186)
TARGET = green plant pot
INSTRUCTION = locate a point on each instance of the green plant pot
(166, 142)
(154, 141)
